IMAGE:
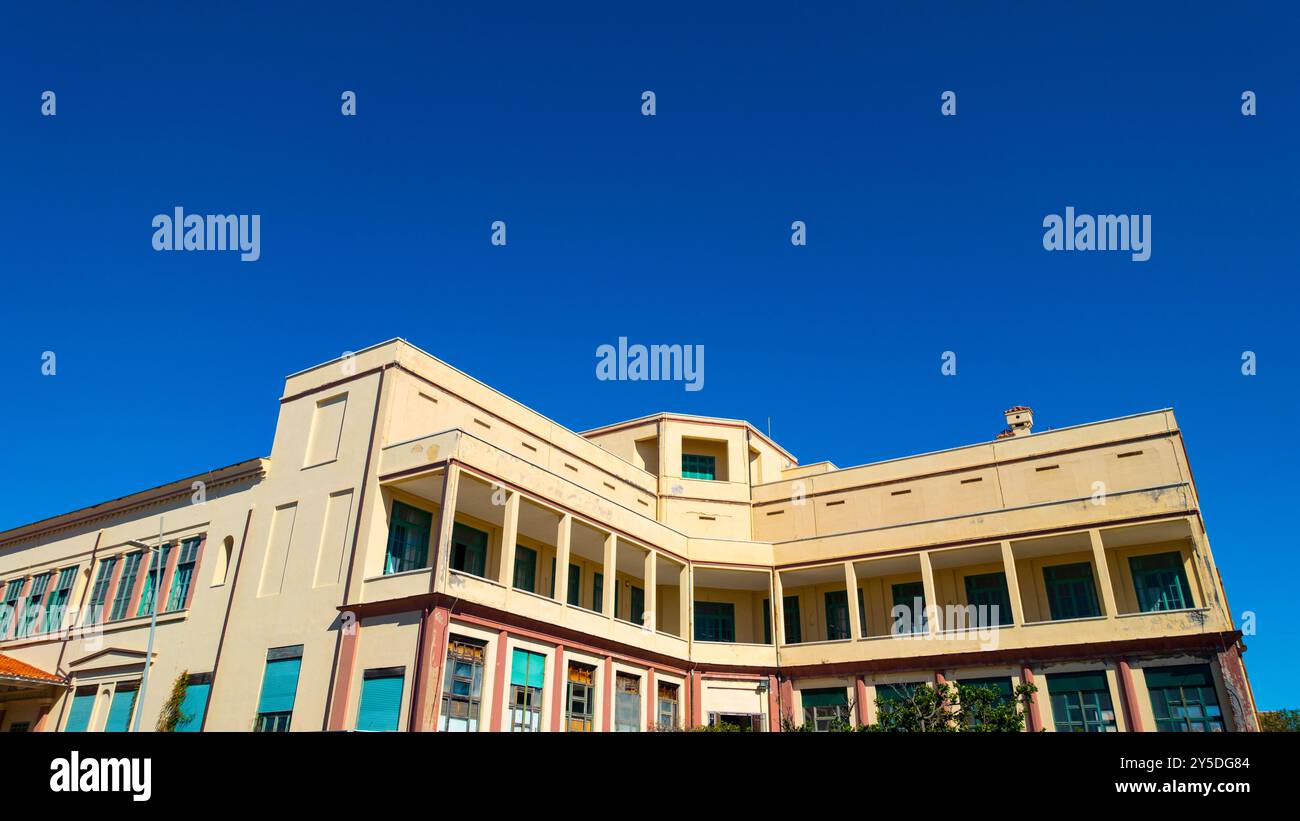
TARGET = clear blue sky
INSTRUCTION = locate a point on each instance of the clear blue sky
(924, 231)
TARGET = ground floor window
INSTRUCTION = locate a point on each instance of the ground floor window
(82, 705)
(581, 698)
(667, 715)
(1081, 703)
(122, 707)
(380, 710)
(1184, 699)
(745, 722)
(462, 687)
(279, 689)
(527, 676)
(627, 704)
(825, 706)
(195, 703)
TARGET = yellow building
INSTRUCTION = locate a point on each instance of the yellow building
(618, 579)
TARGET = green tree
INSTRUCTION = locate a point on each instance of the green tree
(941, 708)
(1280, 721)
(171, 714)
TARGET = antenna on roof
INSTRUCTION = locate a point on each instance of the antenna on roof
(769, 427)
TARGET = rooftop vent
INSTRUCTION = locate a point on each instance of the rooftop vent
(1020, 422)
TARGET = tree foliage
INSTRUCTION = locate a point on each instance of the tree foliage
(939, 708)
(1280, 721)
(171, 714)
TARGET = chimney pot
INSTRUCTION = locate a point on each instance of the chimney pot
(1020, 421)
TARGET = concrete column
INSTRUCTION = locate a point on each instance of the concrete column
(1034, 718)
(685, 596)
(558, 690)
(607, 696)
(446, 522)
(563, 538)
(860, 687)
(509, 536)
(1013, 584)
(933, 614)
(428, 678)
(650, 619)
(787, 699)
(778, 607)
(697, 699)
(338, 715)
(1103, 574)
(499, 669)
(773, 705)
(651, 700)
(851, 585)
(610, 566)
(1132, 714)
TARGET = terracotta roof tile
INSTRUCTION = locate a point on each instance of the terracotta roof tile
(11, 667)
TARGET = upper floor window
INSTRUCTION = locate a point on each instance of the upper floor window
(32, 610)
(9, 614)
(1161, 582)
(99, 593)
(125, 586)
(184, 576)
(986, 591)
(408, 539)
(279, 689)
(825, 707)
(152, 579)
(469, 550)
(627, 704)
(57, 604)
(715, 621)
(1071, 591)
(581, 699)
(696, 466)
(667, 714)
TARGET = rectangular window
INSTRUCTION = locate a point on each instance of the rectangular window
(152, 579)
(637, 612)
(715, 621)
(99, 593)
(695, 466)
(9, 616)
(1161, 582)
(767, 621)
(180, 592)
(1000, 685)
(380, 709)
(469, 550)
(891, 696)
(527, 676)
(987, 591)
(908, 614)
(525, 568)
(279, 689)
(83, 703)
(580, 706)
(462, 690)
(598, 592)
(667, 714)
(408, 539)
(57, 604)
(575, 585)
(627, 704)
(1184, 700)
(31, 615)
(790, 614)
(195, 704)
(837, 615)
(125, 586)
(1081, 703)
(122, 707)
(1071, 592)
(824, 707)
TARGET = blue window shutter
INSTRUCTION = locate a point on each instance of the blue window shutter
(381, 704)
(119, 712)
(527, 669)
(279, 686)
(79, 715)
(193, 707)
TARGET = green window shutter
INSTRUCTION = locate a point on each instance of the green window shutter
(381, 702)
(1001, 684)
(715, 621)
(280, 684)
(552, 577)
(79, 715)
(1071, 592)
(790, 615)
(1077, 682)
(1160, 582)
(637, 614)
(193, 706)
(837, 615)
(527, 669)
(120, 709)
(125, 585)
(526, 568)
(575, 585)
(598, 592)
(767, 621)
(468, 550)
(912, 596)
(862, 614)
(695, 466)
(988, 590)
(409, 529)
(825, 697)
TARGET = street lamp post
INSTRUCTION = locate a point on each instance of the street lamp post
(153, 619)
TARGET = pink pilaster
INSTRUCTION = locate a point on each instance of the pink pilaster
(1131, 714)
(607, 687)
(557, 690)
(1034, 717)
(651, 699)
(499, 682)
(860, 684)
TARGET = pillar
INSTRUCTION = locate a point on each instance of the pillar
(446, 522)
(610, 567)
(1013, 583)
(607, 696)
(931, 599)
(1103, 574)
(860, 686)
(499, 668)
(509, 536)
(651, 700)
(651, 574)
(351, 634)
(851, 585)
(1132, 716)
(685, 596)
(563, 538)
(560, 679)
(1033, 718)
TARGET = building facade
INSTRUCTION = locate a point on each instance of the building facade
(420, 552)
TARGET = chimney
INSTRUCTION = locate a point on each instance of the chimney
(1020, 422)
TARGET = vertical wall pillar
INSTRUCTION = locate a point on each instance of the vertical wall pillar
(610, 568)
(1034, 718)
(509, 535)
(773, 704)
(1241, 700)
(650, 619)
(787, 700)
(446, 522)
(499, 681)
(1133, 717)
(1103, 574)
(338, 716)
(778, 608)
(563, 538)
(851, 586)
(651, 700)
(1013, 584)
(697, 698)
(607, 696)
(428, 676)
(933, 615)
(684, 598)
(860, 686)
(561, 679)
